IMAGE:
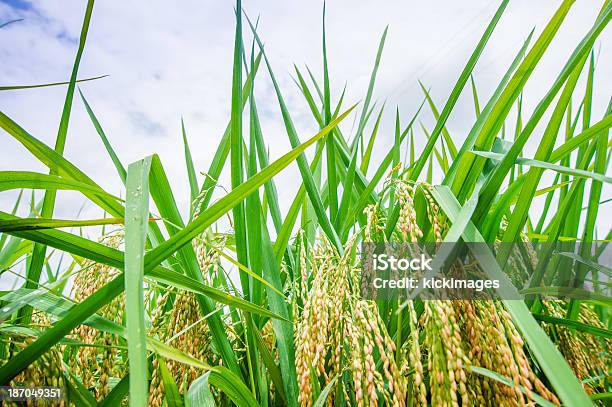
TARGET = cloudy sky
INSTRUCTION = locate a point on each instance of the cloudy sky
(166, 60)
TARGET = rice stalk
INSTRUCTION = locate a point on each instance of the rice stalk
(93, 365)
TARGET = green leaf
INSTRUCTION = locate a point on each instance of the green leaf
(199, 393)
(171, 353)
(456, 92)
(579, 140)
(183, 282)
(579, 326)
(70, 243)
(471, 166)
(45, 85)
(270, 188)
(172, 395)
(589, 263)
(10, 22)
(116, 395)
(330, 149)
(322, 399)
(58, 164)
(548, 166)
(193, 181)
(470, 140)
(77, 393)
(38, 257)
(365, 160)
(568, 292)
(116, 162)
(218, 161)
(4, 237)
(270, 364)
(475, 96)
(282, 239)
(601, 396)
(161, 193)
(136, 214)
(33, 180)
(15, 225)
(510, 383)
(310, 186)
(533, 176)
(50, 303)
(447, 138)
(368, 98)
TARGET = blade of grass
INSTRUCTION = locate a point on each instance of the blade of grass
(70, 243)
(579, 326)
(468, 144)
(322, 399)
(45, 85)
(33, 180)
(155, 234)
(161, 193)
(475, 96)
(532, 178)
(332, 180)
(4, 237)
(544, 165)
(57, 163)
(368, 98)
(78, 393)
(193, 181)
(223, 148)
(199, 393)
(11, 22)
(508, 382)
(237, 174)
(37, 259)
(365, 159)
(455, 93)
(581, 139)
(16, 225)
(282, 238)
(449, 140)
(270, 187)
(136, 214)
(499, 112)
(117, 394)
(172, 395)
(116, 162)
(600, 167)
(183, 282)
(311, 188)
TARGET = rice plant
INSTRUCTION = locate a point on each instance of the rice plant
(150, 313)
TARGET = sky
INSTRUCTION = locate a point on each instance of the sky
(167, 61)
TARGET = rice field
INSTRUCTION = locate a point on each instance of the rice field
(166, 307)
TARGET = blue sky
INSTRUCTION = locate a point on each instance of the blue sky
(18, 4)
(165, 62)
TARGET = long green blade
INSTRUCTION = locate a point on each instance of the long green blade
(136, 220)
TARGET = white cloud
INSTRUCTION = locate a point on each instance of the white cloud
(165, 61)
